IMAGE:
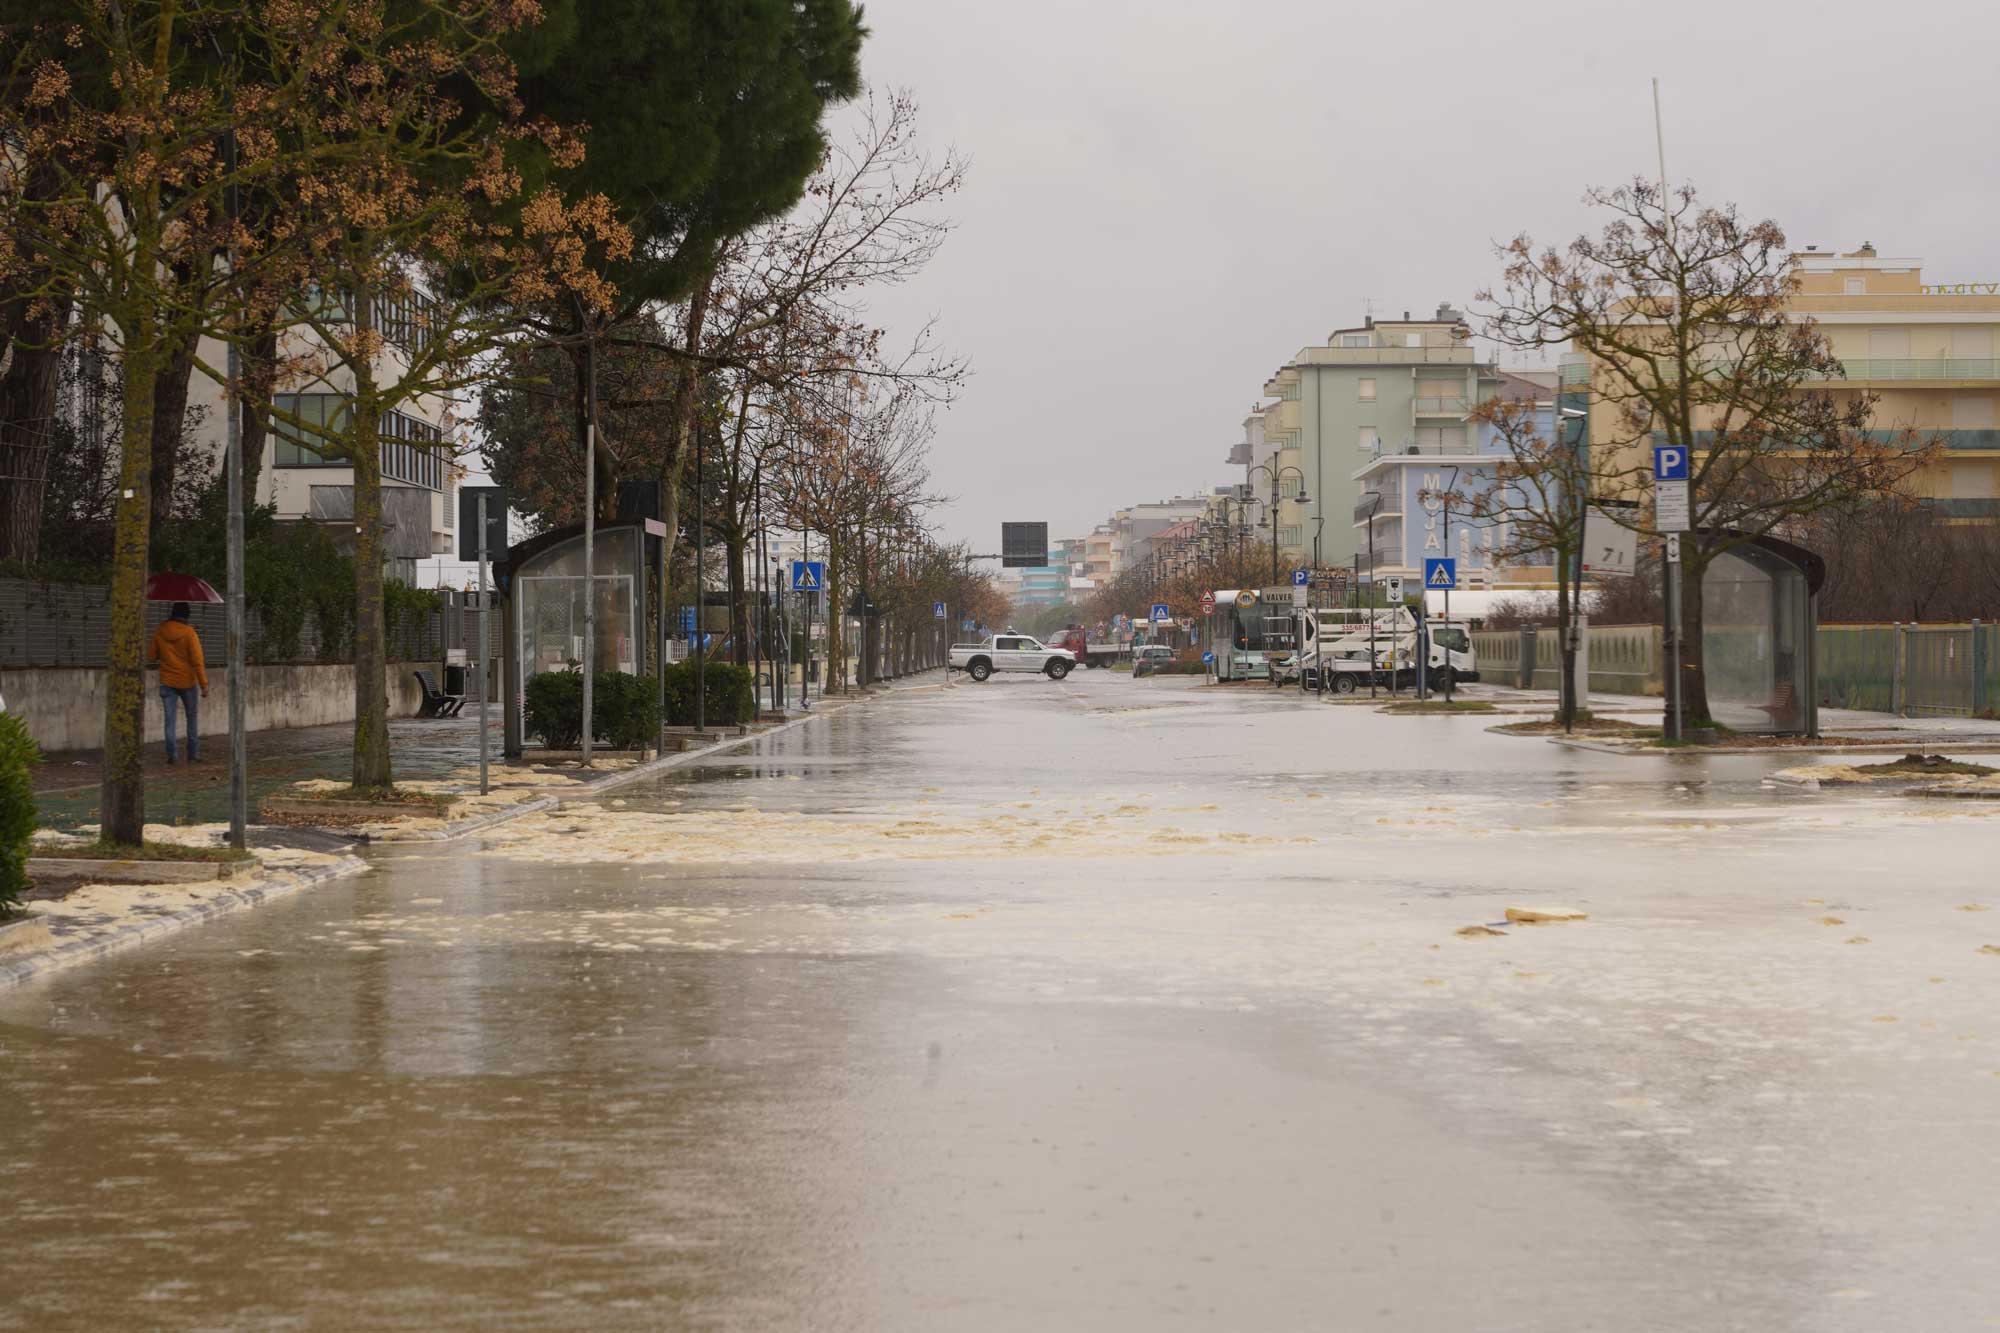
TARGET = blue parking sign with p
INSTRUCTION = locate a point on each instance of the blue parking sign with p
(1670, 462)
(808, 575)
(1301, 577)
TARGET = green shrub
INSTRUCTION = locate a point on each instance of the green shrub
(731, 695)
(552, 708)
(624, 709)
(17, 808)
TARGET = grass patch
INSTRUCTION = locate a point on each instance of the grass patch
(1927, 765)
(418, 800)
(1422, 706)
(1585, 726)
(125, 851)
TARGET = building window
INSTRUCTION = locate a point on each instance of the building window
(1413, 340)
(1353, 340)
(1972, 412)
(1888, 343)
(1854, 286)
(1369, 440)
(1288, 488)
(1366, 390)
(409, 447)
(1289, 536)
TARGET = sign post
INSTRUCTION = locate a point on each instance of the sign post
(1439, 572)
(482, 527)
(1672, 516)
(483, 600)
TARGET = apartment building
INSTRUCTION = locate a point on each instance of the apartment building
(1928, 351)
(420, 474)
(1413, 507)
(1386, 387)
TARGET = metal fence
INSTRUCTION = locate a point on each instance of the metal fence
(1624, 659)
(1911, 670)
(69, 625)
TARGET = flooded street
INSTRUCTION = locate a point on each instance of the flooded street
(1101, 1004)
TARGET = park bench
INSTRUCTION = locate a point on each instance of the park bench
(436, 702)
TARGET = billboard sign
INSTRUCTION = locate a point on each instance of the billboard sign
(1024, 545)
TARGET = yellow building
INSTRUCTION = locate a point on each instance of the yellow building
(1927, 350)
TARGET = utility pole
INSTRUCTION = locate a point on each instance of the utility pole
(239, 692)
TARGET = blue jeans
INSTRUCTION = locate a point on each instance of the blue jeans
(189, 699)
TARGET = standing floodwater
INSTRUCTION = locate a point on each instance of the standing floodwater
(1100, 1004)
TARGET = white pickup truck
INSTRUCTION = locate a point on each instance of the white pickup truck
(1011, 652)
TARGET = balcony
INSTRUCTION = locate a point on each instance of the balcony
(1440, 407)
(1392, 507)
(1935, 369)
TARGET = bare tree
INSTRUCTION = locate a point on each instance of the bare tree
(1683, 312)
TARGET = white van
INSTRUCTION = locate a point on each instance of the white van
(1355, 645)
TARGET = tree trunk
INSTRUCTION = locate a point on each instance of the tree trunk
(687, 383)
(260, 371)
(170, 399)
(1694, 677)
(29, 392)
(123, 798)
(1565, 655)
(836, 621)
(371, 700)
(739, 608)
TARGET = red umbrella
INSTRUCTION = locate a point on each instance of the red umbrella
(179, 588)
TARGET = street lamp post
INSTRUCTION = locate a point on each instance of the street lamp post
(1276, 477)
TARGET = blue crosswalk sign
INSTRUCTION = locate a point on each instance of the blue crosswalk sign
(937, 610)
(808, 575)
(1441, 572)
(1161, 612)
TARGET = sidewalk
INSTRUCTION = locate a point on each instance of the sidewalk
(430, 749)
(1885, 728)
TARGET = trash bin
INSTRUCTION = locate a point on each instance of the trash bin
(454, 679)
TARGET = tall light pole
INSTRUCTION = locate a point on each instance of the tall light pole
(1276, 477)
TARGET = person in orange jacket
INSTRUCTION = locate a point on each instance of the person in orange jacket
(177, 649)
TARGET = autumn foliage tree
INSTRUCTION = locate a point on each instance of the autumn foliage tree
(115, 118)
(418, 239)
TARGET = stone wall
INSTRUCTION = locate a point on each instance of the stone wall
(64, 706)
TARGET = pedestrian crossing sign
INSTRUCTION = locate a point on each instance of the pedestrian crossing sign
(937, 610)
(1441, 572)
(808, 575)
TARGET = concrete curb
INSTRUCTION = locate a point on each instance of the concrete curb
(1868, 747)
(15, 971)
(477, 824)
(667, 761)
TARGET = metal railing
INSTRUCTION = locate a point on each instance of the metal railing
(1974, 368)
(1439, 407)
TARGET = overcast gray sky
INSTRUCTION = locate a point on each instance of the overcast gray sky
(1169, 197)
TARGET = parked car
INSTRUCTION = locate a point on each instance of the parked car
(1149, 656)
(1011, 652)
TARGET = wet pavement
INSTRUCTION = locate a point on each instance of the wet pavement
(1102, 1004)
(67, 784)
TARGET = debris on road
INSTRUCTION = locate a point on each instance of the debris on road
(1540, 916)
